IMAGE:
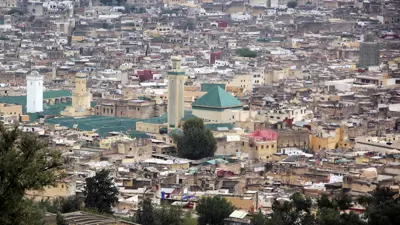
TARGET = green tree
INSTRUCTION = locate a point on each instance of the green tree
(301, 204)
(188, 219)
(343, 201)
(328, 216)
(292, 4)
(61, 205)
(383, 207)
(31, 214)
(148, 214)
(197, 142)
(101, 193)
(259, 219)
(331, 216)
(145, 212)
(295, 211)
(25, 164)
(13, 11)
(246, 52)
(60, 220)
(171, 215)
(351, 219)
(213, 210)
(325, 202)
(113, 2)
(70, 204)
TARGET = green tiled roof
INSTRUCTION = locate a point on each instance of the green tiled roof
(217, 98)
(176, 72)
(136, 134)
(215, 126)
(206, 87)
(56, 94)
(106, 124)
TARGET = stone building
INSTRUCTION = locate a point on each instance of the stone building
(134, 108)
(293, 138)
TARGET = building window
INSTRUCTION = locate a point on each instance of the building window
(272, 146)
(104, 110)
(112, 111)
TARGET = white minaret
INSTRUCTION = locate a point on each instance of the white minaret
(34, 92)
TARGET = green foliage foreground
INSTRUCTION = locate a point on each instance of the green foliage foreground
(149, 214)
(382, 208)
(25, 164)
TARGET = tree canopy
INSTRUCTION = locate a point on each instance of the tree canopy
(13, 11)
(100, 192)
(25, 164)
(292, 4)
(62, 205)
(383, 206)
(145, 212)
(133, 9)
(113, 2)
(197, 142)
(213, 210)
(246, 52)
(297, 211)
(149, 214)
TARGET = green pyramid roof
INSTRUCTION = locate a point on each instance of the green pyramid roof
(217, 98)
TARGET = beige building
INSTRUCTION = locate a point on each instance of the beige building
(138, 147)
(10, 109)
(63, 188)
(243, 81)
(133, 108)
(260, 145)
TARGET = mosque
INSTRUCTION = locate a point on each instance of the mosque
(216, 106)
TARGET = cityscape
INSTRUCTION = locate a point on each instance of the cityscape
(200, 112)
